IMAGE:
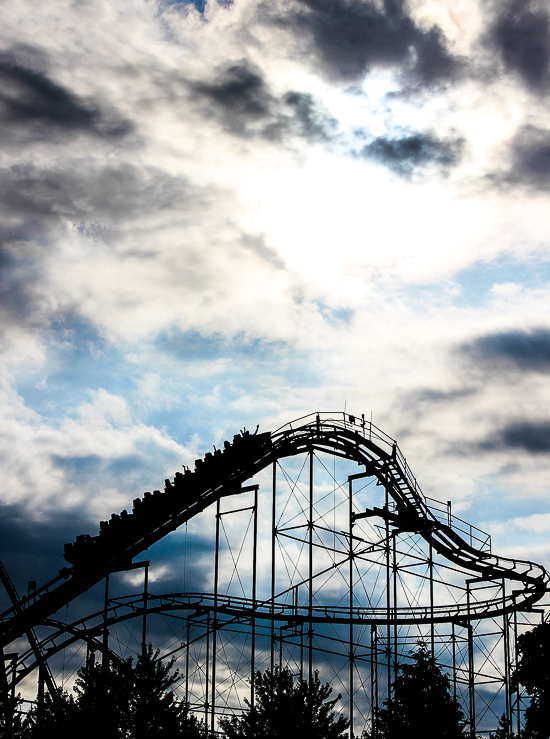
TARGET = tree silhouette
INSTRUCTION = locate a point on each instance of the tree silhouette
(53, 720)
(502, 731)
(118, 701)
(104, 698)
(285, 709)
(421, 704)
(533, 672)
(11, 716)
(154, 709)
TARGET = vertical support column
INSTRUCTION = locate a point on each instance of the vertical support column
(207, 675)
(273, 532)
(187, 662)
(4, 688)
(388, 595)
(105, 656)
(215, 619)
(374, 677)
(453, 637)
(7, 693)
(310, 578)
(40, 698)
(351, 645)
(394, 573)
(471, 681)
(145, 599)
(13, 699)
(506, 645)
(518, 698)
(471, 674)
(432, 626)
(90, 665)
(254, 575)
(301, 651)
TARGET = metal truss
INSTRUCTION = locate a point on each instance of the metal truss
(331, 558)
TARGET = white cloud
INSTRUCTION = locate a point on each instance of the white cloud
(96, 460)
(537, 523)
(347, 276)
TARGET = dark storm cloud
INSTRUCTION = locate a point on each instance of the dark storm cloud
(99, 201)
(35, 107)
(407, 154)
(241, 91)
(88, 192)
(350, 37)
(428, 396)
(308, 121)
(33, 550)
(20, 273)
(528, 161)
(530, 158)
(521, 350)
(241, 99)
(521, 34)
(530, 436)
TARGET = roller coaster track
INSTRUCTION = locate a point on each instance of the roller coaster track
(90, 628)
(224, 473)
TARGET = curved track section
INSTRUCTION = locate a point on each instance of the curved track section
(224, 473)
(355, 439)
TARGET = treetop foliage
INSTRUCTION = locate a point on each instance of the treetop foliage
(117, 701)
(287, 709)
(422, 703)
(533, 673)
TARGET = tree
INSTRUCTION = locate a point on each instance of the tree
(55, 718)
(533, 672)
(118, 701)
(154, 709)
(285, 709)
(502, 731)
(104, 698)
(421, 703)
(11, 716)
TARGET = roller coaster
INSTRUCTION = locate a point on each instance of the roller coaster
(321, 553)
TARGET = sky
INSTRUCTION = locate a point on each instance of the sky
(221, 214)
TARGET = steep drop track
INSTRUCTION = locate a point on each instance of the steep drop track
(124, 536)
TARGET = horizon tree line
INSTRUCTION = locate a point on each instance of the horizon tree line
(124, 700)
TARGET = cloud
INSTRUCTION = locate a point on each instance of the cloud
(526, 158)
(530, 149)
(432, 397)
(351, 37)
(258, 246)
(521, 350)
(530, 436)
(240, 91)
(19, 277)
(537, 523)
(251, 267)
(22, 539)
(85, 204)
(36, 107)
(307, 119)
(407, 154)
(90, 191)
(240, 98)
(521, 34)
(93, 460)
